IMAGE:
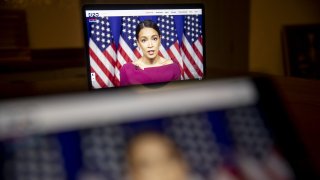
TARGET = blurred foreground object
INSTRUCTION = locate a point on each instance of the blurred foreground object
(233, 129)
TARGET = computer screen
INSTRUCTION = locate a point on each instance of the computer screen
(143, 44)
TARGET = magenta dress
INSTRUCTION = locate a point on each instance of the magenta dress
(131, 74)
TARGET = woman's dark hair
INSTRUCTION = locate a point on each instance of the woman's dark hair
(149, 24)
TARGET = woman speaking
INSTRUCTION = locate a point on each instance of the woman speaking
(150, 68)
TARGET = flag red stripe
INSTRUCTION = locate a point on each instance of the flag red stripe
(176, 45)
(124, 54)
(198, 53)
(189, 74)
(118, 65)
(136, 52)
(108, 56)
(116, 81)
(160, 54)
(101, 65)
(117, 70)
(191, 60)
(172, 56)
(200, 39)
(98, 79)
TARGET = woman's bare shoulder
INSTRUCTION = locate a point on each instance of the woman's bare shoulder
(167, 61)
(138, 63)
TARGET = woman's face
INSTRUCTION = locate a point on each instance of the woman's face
(153, 158)
(149, 42)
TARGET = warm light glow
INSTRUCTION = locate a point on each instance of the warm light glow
(27, 3)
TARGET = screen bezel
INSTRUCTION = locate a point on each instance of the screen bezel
(133, 7)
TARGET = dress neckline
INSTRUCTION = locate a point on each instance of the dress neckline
(138, 67)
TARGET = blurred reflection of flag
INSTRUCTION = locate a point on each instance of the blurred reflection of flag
(169, 40)
(104, 151)
(192, 49)
(128, 49)
(102, 53)
(257, 156)
(34, 157)
(194, 136)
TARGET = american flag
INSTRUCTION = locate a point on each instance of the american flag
(102, 53)
(169, 48)
(192, 49)
(106, 60)
(128, 48)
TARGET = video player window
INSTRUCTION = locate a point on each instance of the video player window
(143, 45)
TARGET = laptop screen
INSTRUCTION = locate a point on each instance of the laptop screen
(143, 44)
(212, 130)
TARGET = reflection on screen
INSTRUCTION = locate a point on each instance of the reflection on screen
(208, 145)
(203, 132)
